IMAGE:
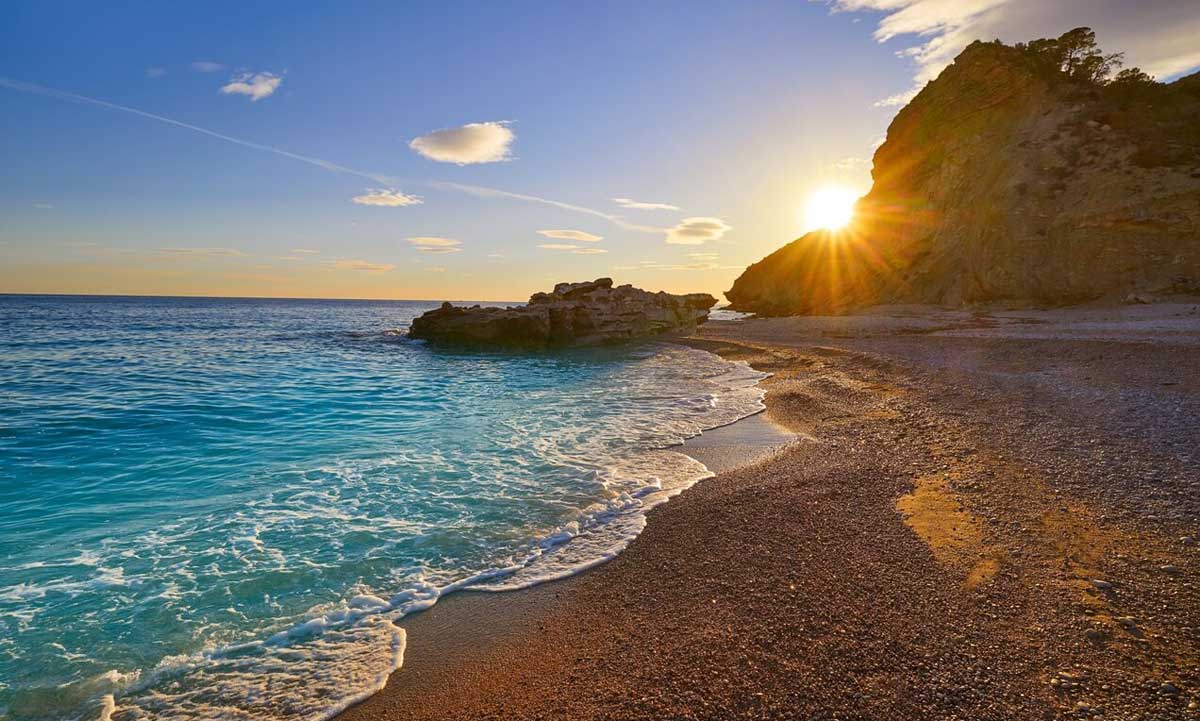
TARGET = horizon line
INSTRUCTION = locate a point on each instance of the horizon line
(254, 297)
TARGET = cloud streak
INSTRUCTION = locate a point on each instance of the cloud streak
(572, 248)
(578, 235)
(362, 265)
(639, 205)
(474, 190)
(468, 144)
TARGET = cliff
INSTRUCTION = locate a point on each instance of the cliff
(574, 314)
(1014, 178)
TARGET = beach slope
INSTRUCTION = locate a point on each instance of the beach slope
(985, 516)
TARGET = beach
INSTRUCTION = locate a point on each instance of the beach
(979, 515)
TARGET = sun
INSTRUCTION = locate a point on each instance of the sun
(829, 208)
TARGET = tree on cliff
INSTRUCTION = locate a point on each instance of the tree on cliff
(1075, 54)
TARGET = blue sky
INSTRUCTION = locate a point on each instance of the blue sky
(733, 113)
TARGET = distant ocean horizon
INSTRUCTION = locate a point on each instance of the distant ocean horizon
(215, 507)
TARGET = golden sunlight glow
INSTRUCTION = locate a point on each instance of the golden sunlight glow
(830, 208)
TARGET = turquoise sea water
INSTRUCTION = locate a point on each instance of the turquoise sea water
(215, 508)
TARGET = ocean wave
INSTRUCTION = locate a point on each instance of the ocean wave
(235, 530)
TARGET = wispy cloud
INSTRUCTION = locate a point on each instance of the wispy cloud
(362, 265)
(44, 206)
(202, 252)
(571, 235)
(303, 251)
(206, 66)
(639, 205)
(851, 163)
(435, 244)
(485, 192)
(1157, 35)
(255, 85)
(572, 248)
(155, 72)
(698, 265)
(468, 144)
(696, 231)
(387, 198)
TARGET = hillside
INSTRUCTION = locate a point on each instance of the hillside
(1021, 176)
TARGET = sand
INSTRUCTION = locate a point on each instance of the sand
(981, 515)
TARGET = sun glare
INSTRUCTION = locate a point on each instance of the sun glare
(829, 208)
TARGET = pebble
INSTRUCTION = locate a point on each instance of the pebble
(1102, 585)
(1168, 689)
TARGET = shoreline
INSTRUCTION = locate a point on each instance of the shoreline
(987, 522)
(473, 623)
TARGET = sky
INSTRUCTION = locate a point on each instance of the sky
(465, 151)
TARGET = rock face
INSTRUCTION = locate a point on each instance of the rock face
(1008, 181)
(574, 314)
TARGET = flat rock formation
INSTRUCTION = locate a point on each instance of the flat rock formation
(1020, 177)
(574, 314)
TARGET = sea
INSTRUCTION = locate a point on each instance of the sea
(218, 508)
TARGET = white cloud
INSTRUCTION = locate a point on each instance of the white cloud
(44, 206)
(155, 72)
(589, 251)
(434, 244)
(1157, 35)
(362, 265)
(256, 85)
(558, 246)
(386, 198)
(639, 205)
(471, 143)
(696, 231)
(703, 256)
(305, 251)
(571, 235)
(206, 66)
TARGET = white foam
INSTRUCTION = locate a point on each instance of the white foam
(346, 651)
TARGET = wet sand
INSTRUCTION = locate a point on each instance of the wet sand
(983, 516)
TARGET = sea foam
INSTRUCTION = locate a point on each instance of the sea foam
(274, 506)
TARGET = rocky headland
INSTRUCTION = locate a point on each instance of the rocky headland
(1023, 176)
(573, 314)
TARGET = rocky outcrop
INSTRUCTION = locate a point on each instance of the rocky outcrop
(574, 314)
(1010, 181)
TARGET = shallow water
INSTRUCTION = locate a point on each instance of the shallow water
(214, 508)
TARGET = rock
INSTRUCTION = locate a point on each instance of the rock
(1102, 585)
(573, 314)
(1168, 689)
(980, 196)
(1138, 299)
(1169, 569)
